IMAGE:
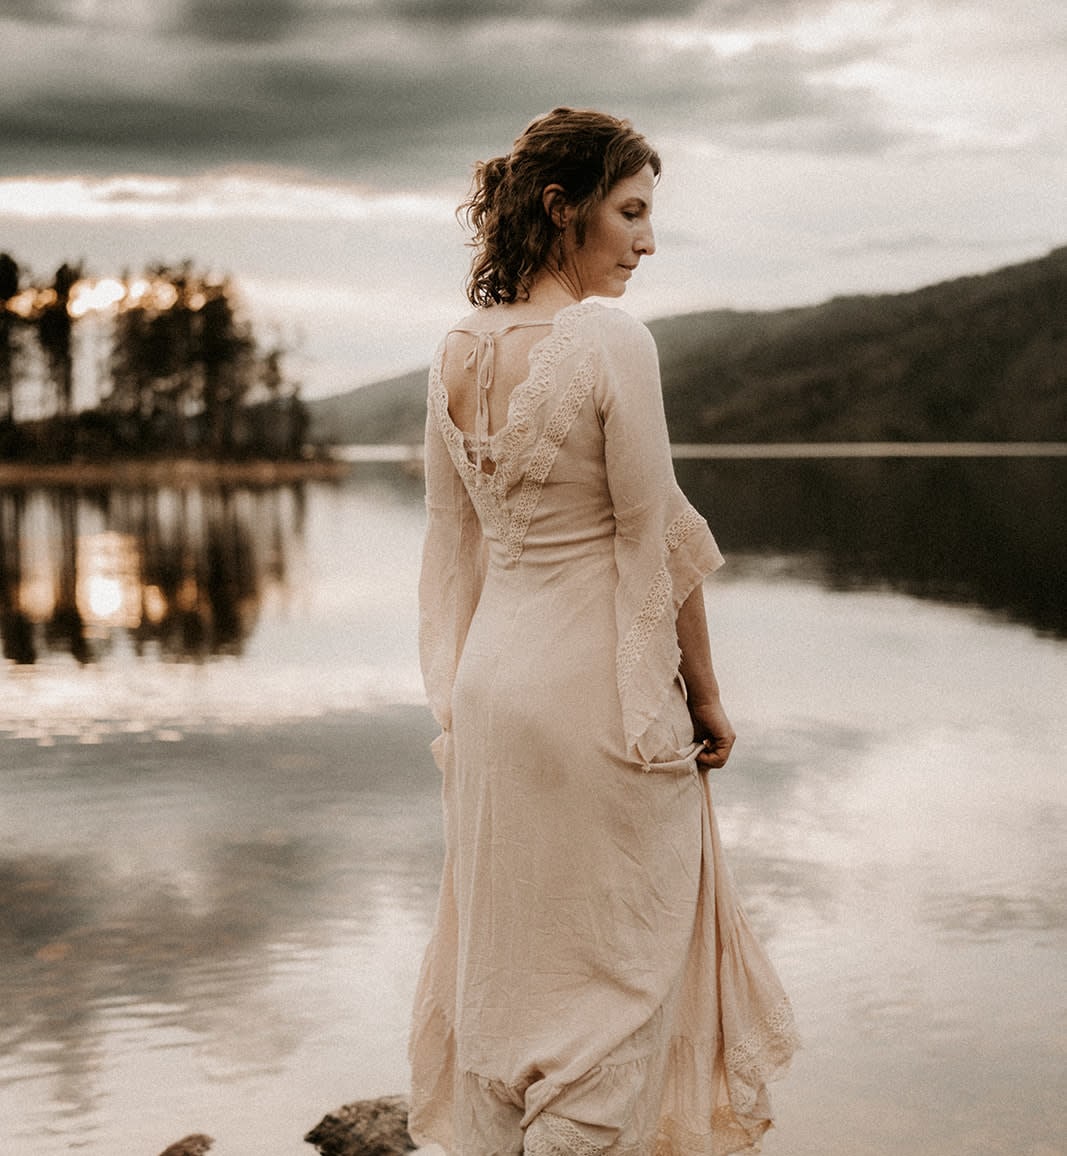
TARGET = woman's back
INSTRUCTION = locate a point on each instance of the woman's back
(484, 360)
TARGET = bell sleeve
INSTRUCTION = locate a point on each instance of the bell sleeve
(663, 546)
(454, 557)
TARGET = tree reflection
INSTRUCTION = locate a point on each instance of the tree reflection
(180, 572)
(16, 626)
(975, 532)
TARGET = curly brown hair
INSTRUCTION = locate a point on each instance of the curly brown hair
(585, 152)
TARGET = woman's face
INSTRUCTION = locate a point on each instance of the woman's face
(617, 235)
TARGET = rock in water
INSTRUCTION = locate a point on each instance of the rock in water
(364, 1128)
(195, 1145)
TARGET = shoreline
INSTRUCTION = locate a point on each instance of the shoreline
(171, 471)
(358, 453)
(182, 472)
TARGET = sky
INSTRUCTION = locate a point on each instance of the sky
(315, 150)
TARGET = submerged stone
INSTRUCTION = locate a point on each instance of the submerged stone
(195, 1145)
(364, 1128)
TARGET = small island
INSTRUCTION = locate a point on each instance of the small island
(143, 378)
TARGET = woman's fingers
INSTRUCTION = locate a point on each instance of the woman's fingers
(715, 752)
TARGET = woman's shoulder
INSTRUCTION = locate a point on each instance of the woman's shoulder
(495, 318)
(617, 327)
(588, 319)
(469, 323)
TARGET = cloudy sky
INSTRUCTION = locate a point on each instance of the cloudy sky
(315, 149)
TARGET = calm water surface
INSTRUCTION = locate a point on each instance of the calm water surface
(219, 838)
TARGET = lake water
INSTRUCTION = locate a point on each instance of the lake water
(219, 835)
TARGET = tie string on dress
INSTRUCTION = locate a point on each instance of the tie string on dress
(482, 359)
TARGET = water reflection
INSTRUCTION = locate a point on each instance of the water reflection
(188, 896)
(178, 945)
(992, 916)
(980, 532)
(180, 572)
(216, 877)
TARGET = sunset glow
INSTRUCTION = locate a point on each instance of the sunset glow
(95, 296)
(105, 295)
(208, 196)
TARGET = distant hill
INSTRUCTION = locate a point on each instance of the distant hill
(387, 412)
(981, 358)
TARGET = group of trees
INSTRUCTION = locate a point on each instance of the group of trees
(162, 363)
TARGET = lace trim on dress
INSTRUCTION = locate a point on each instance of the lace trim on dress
(681, 528)
(557, 1136)
(741, 1112)
(551, 1135)
(545, 455)
(727, 1137)
(528, 396)
(657, 600)
(762, 1054)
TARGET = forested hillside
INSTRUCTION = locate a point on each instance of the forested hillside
(980, 358)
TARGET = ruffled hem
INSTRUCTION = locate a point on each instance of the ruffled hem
(764, 1054)
(708, 1109)
(431, 1052)
(715, 1100)
(741, 1109)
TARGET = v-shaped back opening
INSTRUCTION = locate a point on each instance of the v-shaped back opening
(480, 402)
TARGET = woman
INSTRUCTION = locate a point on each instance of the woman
(591, 985)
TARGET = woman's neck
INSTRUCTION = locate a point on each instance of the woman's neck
(553, 290)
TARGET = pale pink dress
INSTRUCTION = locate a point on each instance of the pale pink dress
(592, 985)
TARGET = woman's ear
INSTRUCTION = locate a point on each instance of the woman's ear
(554, 200)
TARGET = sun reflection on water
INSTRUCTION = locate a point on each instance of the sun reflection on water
(109, 580)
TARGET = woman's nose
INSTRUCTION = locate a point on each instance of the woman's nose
(646, 241)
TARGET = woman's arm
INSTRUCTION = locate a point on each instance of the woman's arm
(709, 719)
(663, 547)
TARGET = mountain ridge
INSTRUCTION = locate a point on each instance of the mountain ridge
(976, 358)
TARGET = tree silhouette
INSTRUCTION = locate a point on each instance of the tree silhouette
(153, 378)
(226, 357)
(182, 373)
(54, 328)
(9, 287)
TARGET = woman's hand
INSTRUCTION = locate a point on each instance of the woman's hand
(712, 727)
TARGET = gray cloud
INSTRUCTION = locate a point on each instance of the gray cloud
(341, 92)
(232, 107)
(761, 11)
(35, 11)
(608, 12)
(241, 21)
(774, 97)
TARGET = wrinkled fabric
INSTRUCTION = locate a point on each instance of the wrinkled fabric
(591, 984)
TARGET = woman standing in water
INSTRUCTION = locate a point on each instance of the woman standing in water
(592, 985)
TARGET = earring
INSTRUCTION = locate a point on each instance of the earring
(559, 259)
